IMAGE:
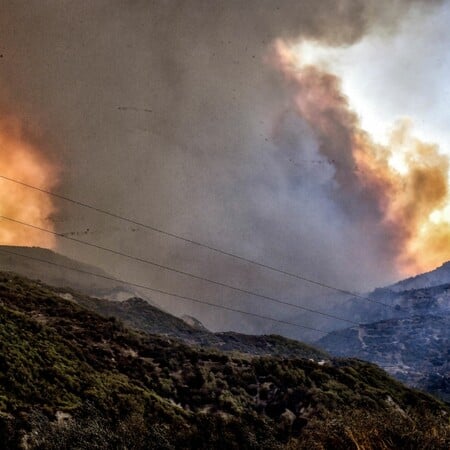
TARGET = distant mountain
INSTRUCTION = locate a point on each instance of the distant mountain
(71, 379)
(435, 277)
(422, 294)
(415, 348)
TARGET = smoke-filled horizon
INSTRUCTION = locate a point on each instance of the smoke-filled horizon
(202, 119)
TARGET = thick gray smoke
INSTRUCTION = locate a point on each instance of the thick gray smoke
(167, 112)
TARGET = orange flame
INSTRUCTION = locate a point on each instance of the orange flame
(21, 160)
(402, 184)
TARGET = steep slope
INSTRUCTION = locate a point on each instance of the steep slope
(30, 262)
(414, 348)
(139, 314)
(423, 294)
(72, 379)
(135, 312)
(436, 277)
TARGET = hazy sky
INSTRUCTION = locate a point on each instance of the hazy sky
(387, 77)
(172, 112)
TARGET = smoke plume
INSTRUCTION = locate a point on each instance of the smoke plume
(393, 201)
(168, 112)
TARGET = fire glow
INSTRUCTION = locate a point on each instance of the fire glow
(21, 160)
(402, 181)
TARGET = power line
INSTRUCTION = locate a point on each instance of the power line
(181, 272)
(160, 291)
(197, 243)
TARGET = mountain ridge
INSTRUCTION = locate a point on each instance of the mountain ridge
(414, 347)
(439, 275)
(59, 270)
(140, 315)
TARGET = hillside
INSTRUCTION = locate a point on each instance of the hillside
(424, 294)
(58, 270)
(436, 277)
(70, 378)
(139, 314)
(414, 348)
(110, 298)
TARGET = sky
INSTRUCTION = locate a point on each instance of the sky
(413, 64)
(259, 127)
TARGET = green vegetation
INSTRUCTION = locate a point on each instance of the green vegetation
(71, 379)
(137, 313)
